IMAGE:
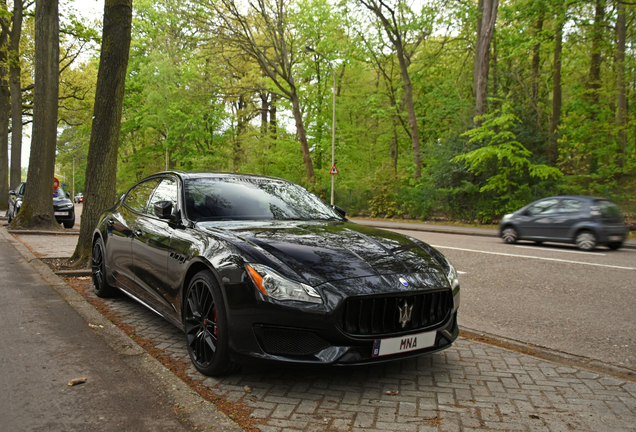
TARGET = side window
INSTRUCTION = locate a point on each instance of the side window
(138, 196)
(166, 191)
(544, 207)
(22, 189)
(571, 206)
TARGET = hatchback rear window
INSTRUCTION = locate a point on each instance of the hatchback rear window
(609, 210)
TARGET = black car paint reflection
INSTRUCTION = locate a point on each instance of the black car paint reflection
(324, 289)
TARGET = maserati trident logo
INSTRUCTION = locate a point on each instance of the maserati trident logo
(405, 313)
(403, 281)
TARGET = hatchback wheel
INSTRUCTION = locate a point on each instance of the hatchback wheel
(98, 271)
(585, 240)
(205, 323)
(509, 235)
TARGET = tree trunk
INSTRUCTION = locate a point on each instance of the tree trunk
(594, 80)
(536, 62)
(37, 208)
(5, 107)
(621, 103)
(101, 166)
(272, 117)
(16, 94)
(302, 137)
(489, 18)
(553, 136)
(480, 13)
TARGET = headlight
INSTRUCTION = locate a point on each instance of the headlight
(66, 206)
(506, 217)
(279, 287)
(454, 281)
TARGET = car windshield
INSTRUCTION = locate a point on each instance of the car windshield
(245, 198)
(58, 193)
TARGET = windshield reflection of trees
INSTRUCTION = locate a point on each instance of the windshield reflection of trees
(252, 199)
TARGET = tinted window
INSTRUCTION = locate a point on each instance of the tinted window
(571, 206)
(252, 198)
(543, 207)
(166, 191)
(138, 196)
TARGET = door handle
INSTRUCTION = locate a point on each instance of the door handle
(110, 221)
(138, 233)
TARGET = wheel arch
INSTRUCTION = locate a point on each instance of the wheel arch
(194, 268)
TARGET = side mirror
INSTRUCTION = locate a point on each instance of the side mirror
(68, 194)
(342, 212)
(12, 192)
(163, 210)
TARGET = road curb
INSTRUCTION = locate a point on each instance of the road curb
(192, 406)
(549, 354)
(70, 232)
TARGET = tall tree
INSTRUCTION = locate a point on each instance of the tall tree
(101, 168)
(488, 20)
(5, 106)
(264, 33)
(553, 136)
(393, 22)
(621, 94)
(36, 210)
(594, 78)
(15, 85)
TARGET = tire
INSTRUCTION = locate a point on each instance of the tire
(69, 224)
(615, 245)
(509, 235)
(585, 240)
(9, 217)
(98, 271)
(205, 323)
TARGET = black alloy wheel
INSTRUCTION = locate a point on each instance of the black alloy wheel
(98, 271)
(205, 324)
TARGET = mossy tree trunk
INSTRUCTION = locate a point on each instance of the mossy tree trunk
(37, 209)
(101, 166)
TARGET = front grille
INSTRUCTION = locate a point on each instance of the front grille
(369, 316)
(291, 342)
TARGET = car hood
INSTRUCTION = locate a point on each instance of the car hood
(61, 201)
(322, 252)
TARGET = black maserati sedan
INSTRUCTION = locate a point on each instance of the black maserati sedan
(63, 208)
(256, 268)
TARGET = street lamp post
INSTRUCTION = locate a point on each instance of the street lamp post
(333, 123)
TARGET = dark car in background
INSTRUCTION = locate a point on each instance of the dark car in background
(256, 268)
(584, 221)
(63, 208)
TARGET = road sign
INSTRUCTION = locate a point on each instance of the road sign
(56, 183)
(334, 170)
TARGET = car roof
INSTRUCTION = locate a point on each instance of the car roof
(194, 175)
(581, 197)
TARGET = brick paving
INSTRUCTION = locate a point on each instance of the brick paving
(471, 386)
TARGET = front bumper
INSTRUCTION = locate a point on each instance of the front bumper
(318, 334)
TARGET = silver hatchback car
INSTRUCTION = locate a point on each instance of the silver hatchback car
(585, 221)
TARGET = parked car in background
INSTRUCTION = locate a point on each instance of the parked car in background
(256, 268)
(79, 198)
(63, 208)
(584, 221)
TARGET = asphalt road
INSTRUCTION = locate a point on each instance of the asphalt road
(553, 296)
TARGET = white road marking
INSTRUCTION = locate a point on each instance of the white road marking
(537, 258)
(562, 250)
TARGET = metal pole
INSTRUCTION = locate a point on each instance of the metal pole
(333, 135)
(73, 179)
(333, 123)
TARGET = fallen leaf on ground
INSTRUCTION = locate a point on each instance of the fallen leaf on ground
(247, 389)
(392, 392)
(76, 381)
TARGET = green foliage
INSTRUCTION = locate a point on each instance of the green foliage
(503, 159)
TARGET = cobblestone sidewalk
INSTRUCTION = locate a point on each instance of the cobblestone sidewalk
(471, 386)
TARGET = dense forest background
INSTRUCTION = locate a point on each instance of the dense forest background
(231, 85)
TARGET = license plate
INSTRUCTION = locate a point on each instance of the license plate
(402, 344)
(615, 238)
(60, 213)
